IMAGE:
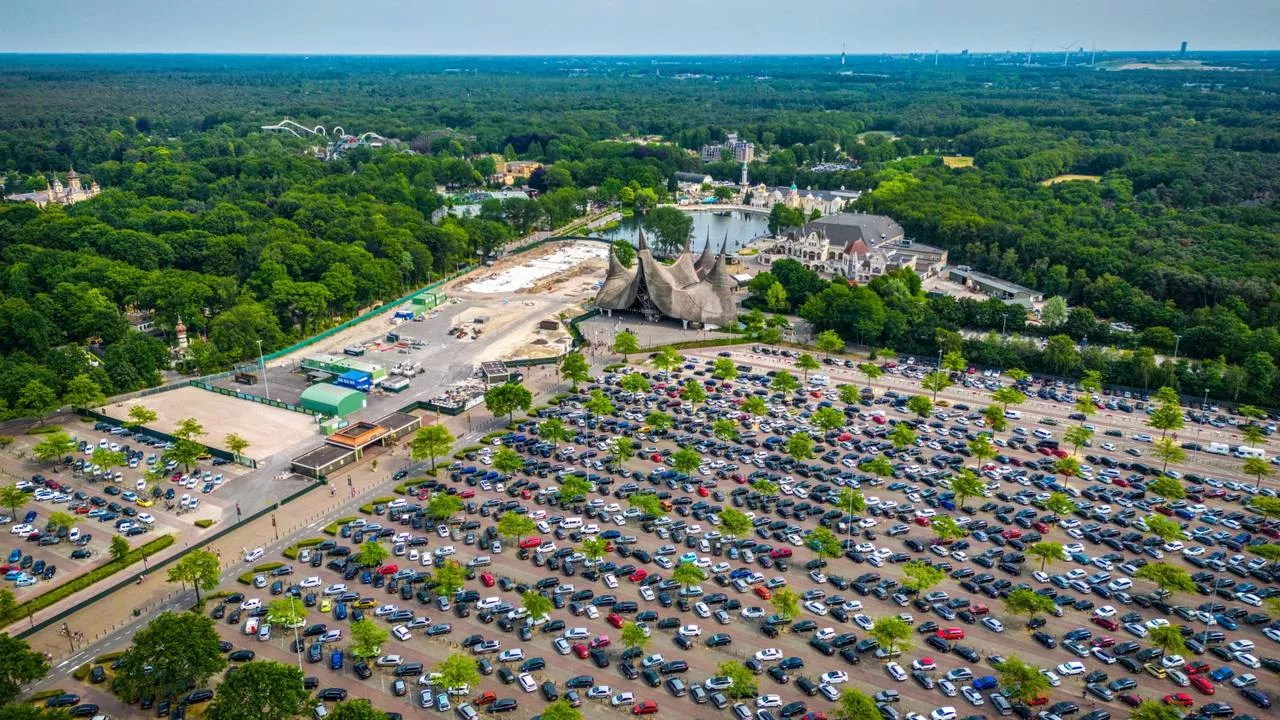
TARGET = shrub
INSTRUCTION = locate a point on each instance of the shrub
(45, 694)
(462, 454)
(82, 673)
(6, 441)
(291, 552)
(367, 508)
(333, 527)
(44, 429)
(204, 523)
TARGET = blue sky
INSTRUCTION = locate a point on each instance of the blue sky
(432, 27)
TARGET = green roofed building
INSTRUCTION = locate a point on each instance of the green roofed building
(331, 399)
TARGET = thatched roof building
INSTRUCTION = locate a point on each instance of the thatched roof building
(700, 293)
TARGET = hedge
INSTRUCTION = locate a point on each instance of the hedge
(82, 673)
(462, 454)
(714, 342)
(367, 508)
(45, 694)
(77, 584)
(247, 578)
(204, 523)
(333, 527)
(291, 552)
(614, 367)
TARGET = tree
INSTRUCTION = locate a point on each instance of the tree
(1059, 504)
(1269, 552)
(506, 398)
(765, 487)
(173, 651)
(1084, 405)
(856, 705)
(367, 638)
(107, 459)
(1166, 417)
(449, 578)
(1169, 639)
(687, 574)
(634, 636)
(1267, 507)
(724, 429)
(1067, 467)
(626, 343)
(537, 604)
(995, 420)
(516, 525)
(920, 406)
(359, 709)
(1166, 488)
(849, 394)
(982, 449)
(670, 227)
(599, 404)
(573, 487)
(61, 521)
(431, 442)
(1251, 435)
(693, 392)
(575, 369)
(807, 363)
(188, 429)
(1258, 468)
(824, 543)
(1048, 551)
(785, 602)
(660, 421)
(1077, 436)
(199, 568)
(853, 502)
(119, 547)
(13, 498)
(1007, 396)
(965, 485)
(902, 436)
(372, 553)
(458, 670)
(594, 547)
(667, 358)
(743, 681)
(19, 665)
(263, 689)
(892, 632)
(754, 405)
(140, 415)
(946, 528)
(443, 506)
(1166, 577)
(784, 382)
(878, 466)
(724, 369)
(554, 431)
(1054, 312)
(508, 461)
(936, 381)
(236, 444)
(954, 362)
(35, 399)
(648, 503)
(287, 612)
(1024, 601)
(634, 383)
(1024, 682)
(1155, 710)
(800, 446)
(827, 418)
(920, 576)
(621, 449)
(54, 447)
(871, 371)
(184, 452)
(775, 298)
(734, 523)
(686, 460)
(562, 709)
(829, 341)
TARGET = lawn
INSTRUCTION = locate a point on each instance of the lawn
(958, 161)
(1069, 177)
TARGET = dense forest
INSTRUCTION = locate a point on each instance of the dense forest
(248, 237)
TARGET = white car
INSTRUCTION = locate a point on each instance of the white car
(769, 701)
(313, 581)
(768, 655)
(388, 661)
(943, 713)
(718, 683)
(690, 631)
(511, 655)
(973, 696)
(1052, 677)
(863, 621)
(622, 698)
(527, 683)
(599, 692)
(21, 530)
(251, 604)
(816, 608)
(896, 672)
(656, 659)
(835, 677)
(335, 589)
(1067, 669)
(993, 624)
(577, 633)
(401, 632)
(752, 612)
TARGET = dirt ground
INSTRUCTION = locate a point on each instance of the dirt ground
(269, 430)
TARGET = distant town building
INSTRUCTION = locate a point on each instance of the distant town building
(57, 194)
(826, 202)
(513, 172)
(742, 150)
(856, 246)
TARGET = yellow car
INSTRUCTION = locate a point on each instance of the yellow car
(366, 602)
(145, 502)
(325, 605)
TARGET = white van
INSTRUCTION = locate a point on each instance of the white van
(572, 523)
(254, 555)
(1012, 415)
(1245, 451)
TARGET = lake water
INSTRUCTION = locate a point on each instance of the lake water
(742, 228)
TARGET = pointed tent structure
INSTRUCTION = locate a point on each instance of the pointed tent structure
(701, 293)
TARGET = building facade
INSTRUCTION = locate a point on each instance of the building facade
(57, 194)
(856, 246)
(742, 150)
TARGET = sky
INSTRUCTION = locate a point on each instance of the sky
(612, 27)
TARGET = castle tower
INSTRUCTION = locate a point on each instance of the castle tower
(73, 180)
(181, 331)
(744, 175)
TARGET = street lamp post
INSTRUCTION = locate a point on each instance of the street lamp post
(266, 384)
(1177, 340)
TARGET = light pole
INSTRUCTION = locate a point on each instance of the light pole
(1177, 340)
(266, 384)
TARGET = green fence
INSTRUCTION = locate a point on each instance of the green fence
(166, 437)
(255, 398)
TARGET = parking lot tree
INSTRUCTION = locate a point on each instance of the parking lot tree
(442, 506)
(599, 404)
(575, 369)
(1166, 488)
(140, 415)
(824, 543)
(902, 436)
(1006, 396)
(55, 446)
(508, 461)
(785, 602)
(1258, 468)
(620, 450)
(725, 429)
(1155, 710)
(1059, 504)
(807, 363)
(829, 342)
(765, 487)
(107, 458)
(734, 523)
(118, 548)
(1077, 436)
(188, 429)
(236, 444)
(966, 485)
(199, 568)
(554, 431)
(1067, 467)
(514, 525)
(507, 398)
(573, 487)
(693, 392)
(449, 578)
(743, 681)
(871, 371)
(754, 405)
(878, 466)
(648, 503)
(358, 709)
(667, 359)
(457, 670)
(853, 502)
(288, 612)
(61, 521)
(660, 422)
(827, 418)
(724, 369)
(634, 636)
(1024, 601)
(995, 419)
(1251, 435)
(562, 709)
(945, 527)
(1023, 680)
(372, 553)
(800, 446)
(594, 547)
(686, 460)
(13, 498)
(184, 453)
(892, 632)
(1084, 405)
(954, 362)
(367, 638)
(431, 442)
(626, 343)
(1169, 578)
(260, 690)
(856, 705)
(536, 603)
(1267, 507)
(921, 576)
(920, 406)
(849, 395)
(1048, 551)
(784, 382)
(1169, 639)
(634, 383)
(936, 382)
(170, 653)
(687, 574)
(19, 666)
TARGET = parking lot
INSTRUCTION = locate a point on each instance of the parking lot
(960, 628)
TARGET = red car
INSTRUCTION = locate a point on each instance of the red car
(648, 707)
(1196, 668)
(1042, 700)
(814, 715)
(951, 633)
(1105, 641)
(1131, 700)
(1179, 699)
(1202, 684)
(388, 569)
(530, 542)
(487, 579)
(600, 641)
(921, 521)
(581, 651)
(656, 458)
(638, 575)
(979, 609)
(780, 553)
(1040, 527)
(467, 494)
(703, 492)
(615, 620)
(1011, 534)
(1107, 623)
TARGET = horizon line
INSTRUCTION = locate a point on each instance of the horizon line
(971, 53)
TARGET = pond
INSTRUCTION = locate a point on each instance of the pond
(742, 228)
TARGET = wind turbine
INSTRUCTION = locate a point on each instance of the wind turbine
(1066, 52)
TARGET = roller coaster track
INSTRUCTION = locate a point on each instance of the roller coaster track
(289, 126)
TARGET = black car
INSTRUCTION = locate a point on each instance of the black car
(793, 709)
(579, 681)
(503, 705)
(549, 692)
(241, 656)
(719, 640)
(332, 693)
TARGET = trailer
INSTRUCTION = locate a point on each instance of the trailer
(397, 385)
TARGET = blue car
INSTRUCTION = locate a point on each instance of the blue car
(1222, 674)
(340, 611)
(13, 575)
(335, 660)
(15, 555)
(1226, 622)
